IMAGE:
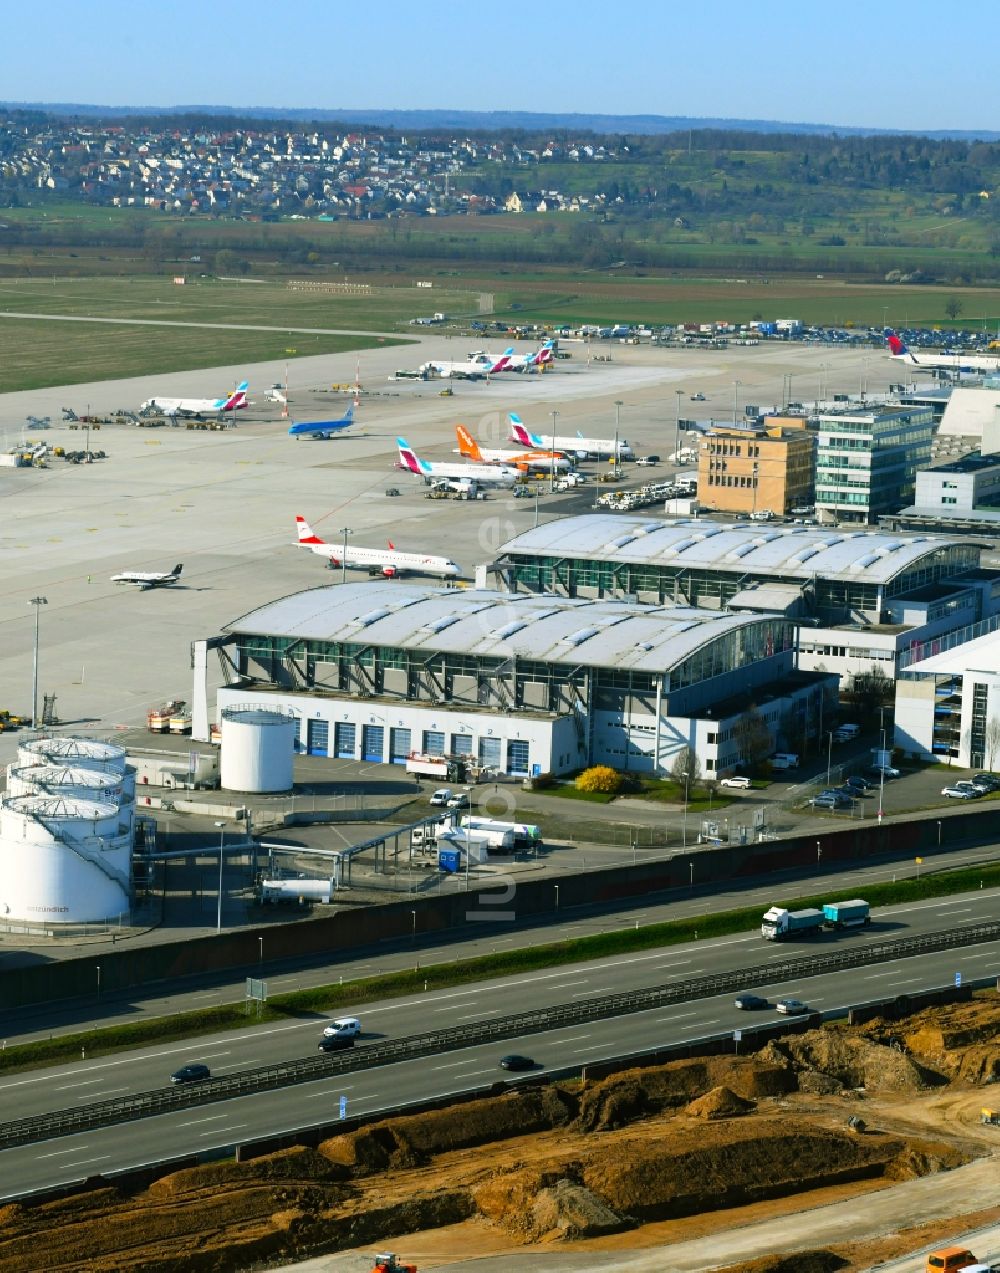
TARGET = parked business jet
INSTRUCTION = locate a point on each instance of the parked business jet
(580, 447)
(322, 428)
(386, 561)
(199, 406)
(467, 474)
(984, 364)
(148, 579)
(532, 461)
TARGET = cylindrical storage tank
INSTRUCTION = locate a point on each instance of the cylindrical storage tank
(62, 860)
(258, 745)
(62, 780)
(82, 753)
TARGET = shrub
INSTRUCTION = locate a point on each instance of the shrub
(600, 778)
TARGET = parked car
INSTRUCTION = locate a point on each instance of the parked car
(195, 1072)
(336, 1042)
(961, 793)
(885, 771)
(791, 1007)
(862, 784)
(441, 796)
(348, 1027)
(697, 397)
(738, 781)
(750, 1003)
(460, 800)
(647, 461)
(830, 800)
(514, 1061)
(987, 782)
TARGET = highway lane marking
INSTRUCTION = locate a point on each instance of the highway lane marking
(904, 981)
(329, 1091)
(235, 1128)
(82, 1083)
(59, 1153)
(594, 1047)
(574, 1038)
(250, 1060)
(70, 1165)
(452, 1065)
(109, 1091)
(562, 986)
(213, 1118)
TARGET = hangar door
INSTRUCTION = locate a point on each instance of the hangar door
(318, 738)
(373, 743)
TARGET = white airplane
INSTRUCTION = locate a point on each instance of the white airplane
(148, 579)
(468, 370)
(580, 447)
(524, 461)
(537, 360)
(233, 401)
(385, 561)
(465, 474)
(984, 364)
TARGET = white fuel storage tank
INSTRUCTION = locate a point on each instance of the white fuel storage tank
(258, 746)
(78, 753)
(65, 780)
(63, 860)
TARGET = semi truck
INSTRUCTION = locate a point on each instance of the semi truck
(525, 835)
(780, 924)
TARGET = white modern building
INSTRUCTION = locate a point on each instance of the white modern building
(867, 461)
(860, 597)
(517, 684)
(948, 704)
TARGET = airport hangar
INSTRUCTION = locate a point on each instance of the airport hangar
(519, 685)
(861, 599)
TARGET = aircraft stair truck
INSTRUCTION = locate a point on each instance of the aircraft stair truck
(387, 1263)
(850, 914)
(780, 924)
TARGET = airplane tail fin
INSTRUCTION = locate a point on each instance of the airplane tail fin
(238, 398)
(518, 431)
(467, 445)
(535, 440)
(896, 346)
(306, 533)
(176, 572)
(349, 414)
(407, 457)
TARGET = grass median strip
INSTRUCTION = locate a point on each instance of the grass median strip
(321, 1000)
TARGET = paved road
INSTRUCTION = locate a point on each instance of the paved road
(51, 1020)
(167, 322)
(229, 1122)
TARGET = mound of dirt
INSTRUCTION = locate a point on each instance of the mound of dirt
(853, 1061)
(800, 1262)
(720, 1102)
(296, 1164)
(568, 1210)
(957, 1042)
(408, 1142)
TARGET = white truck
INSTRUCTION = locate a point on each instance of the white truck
(526, 835)
(495, 840)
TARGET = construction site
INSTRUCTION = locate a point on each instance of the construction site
(651, 1160)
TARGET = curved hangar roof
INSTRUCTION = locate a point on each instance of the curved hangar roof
(495, 624)
(799, 552)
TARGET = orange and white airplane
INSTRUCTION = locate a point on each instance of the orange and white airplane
(532, 461)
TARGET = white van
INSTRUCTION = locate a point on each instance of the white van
(844, 733)
(343, 1027)
(785, 760)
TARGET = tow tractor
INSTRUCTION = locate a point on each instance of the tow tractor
(387, 1263)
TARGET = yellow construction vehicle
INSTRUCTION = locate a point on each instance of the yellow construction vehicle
(990, 1117)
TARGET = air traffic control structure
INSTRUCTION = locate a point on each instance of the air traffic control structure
(67, 825)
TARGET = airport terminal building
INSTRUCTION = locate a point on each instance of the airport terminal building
(860, 598)
(516, 684)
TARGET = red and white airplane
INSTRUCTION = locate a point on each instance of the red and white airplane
(387, 562)
(470, 369)
(233, 401)
(984, 364)
(537, 360)
(533, 461)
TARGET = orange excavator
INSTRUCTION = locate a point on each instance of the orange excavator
(387, 1263)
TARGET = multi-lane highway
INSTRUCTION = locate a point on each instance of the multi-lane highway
(243, 1118)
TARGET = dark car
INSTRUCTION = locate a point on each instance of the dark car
(514, 1061)
(862, 784)
(336, 1042)
(986, 782)
(194, 1073)
(750, 1003)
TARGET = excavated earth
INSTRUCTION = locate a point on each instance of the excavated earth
(616, 1161)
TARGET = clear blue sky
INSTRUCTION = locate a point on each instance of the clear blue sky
(918, 65)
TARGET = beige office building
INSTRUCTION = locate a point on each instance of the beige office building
(763, 467)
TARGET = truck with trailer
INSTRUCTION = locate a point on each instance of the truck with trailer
(781, 924)
(490, 841)
(526, 835)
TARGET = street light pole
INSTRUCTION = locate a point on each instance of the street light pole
(218, 912)
(736, 398)
(344, 531)
(829, 754)
(37, 602)
(678, 394)
(618, 421)
(552, 461)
